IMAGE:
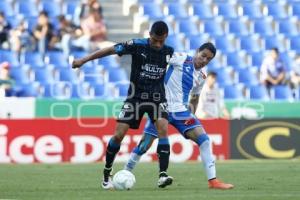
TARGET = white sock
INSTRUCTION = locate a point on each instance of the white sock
(133, 159)
(208, 159)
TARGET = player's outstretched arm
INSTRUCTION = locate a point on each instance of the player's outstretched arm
(77, 63)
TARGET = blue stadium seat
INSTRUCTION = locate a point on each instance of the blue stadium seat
(57, 90)
(153, 10)
(14, 20)
(295, 43)
(214, 27)
(78, 54)
(238, 27)
(277, 10)
(109, 62)
(68, 75)
(214, 65)
(252, 10)
(275, 41)
(233, 92)
(225, 43)
(288, 58)
(31, 22)
(196, 41)
(20, 75)
(44, 76)
(32, 58)
(250, 43)
(258, 92)
(282, 92)
(51, 7)
(257, 58)
(296, 9)
(30, 90)
(177, 10)
(10, 57)
(236, 59)
(202, 10)
(56, 58)
(188, 26)
(94, 74)
(82, 91)
(288, 27)
(122, 89)
(247, 77)
(224, 76)
(176, 41)
(27, 8)
(117, 75)
(264, 27)
(103, 91)
(6, 8)
(227, 10)
(69, 7)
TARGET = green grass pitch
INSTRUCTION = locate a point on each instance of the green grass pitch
(263, 180)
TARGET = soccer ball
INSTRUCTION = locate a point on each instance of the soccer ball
(123, 180)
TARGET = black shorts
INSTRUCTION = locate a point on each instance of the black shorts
(133, 111)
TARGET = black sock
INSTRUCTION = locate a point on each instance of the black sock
(163, 153)
(111, 152)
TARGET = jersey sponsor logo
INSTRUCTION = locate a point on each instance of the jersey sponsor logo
(275, 139)
(144, 55)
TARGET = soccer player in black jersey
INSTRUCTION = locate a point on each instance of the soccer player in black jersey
(146, 94)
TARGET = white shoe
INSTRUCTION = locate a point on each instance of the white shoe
(164, 181)
(107, 185)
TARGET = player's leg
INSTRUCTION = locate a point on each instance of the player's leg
(163, 147)
(190, 127)
(143, 146)
(126, 119)
(112, 149)
(199, 136)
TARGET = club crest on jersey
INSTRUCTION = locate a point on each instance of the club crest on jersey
(129, 42)
(168, 57)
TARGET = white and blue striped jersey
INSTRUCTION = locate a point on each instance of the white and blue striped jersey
(182, 79)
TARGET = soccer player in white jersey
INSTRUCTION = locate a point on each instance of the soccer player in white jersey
(184, 78)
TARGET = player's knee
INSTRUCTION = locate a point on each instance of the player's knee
(162, 129)
(202, 138)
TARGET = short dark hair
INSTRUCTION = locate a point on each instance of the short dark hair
(212, 73)
(159, 28)
(210, 46)
(275, 49)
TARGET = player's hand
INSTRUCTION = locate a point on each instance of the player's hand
(77, 63)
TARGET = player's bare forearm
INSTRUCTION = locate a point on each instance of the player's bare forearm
(77, 63)
(193, 104)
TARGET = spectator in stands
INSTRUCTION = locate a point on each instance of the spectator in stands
(93, 26)
(272, 71)
(6, 81)
(211, 102)
(4, 30)
(83, 10)
(295, 73)
(20, 38)
(43, 32)
(67, 32)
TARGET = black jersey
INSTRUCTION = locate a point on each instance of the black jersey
(147, 69)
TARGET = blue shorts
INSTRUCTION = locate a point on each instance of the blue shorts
(182, 121)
